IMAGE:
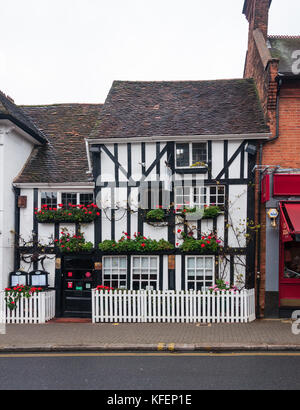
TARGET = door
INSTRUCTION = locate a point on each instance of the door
(289, 290)
(78, 279)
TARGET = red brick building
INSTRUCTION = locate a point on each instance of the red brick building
(274, 63)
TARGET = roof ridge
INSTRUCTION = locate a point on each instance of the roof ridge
(56, 104)
(283, 36)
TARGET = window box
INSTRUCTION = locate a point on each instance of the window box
(138, 243)
(72, 214)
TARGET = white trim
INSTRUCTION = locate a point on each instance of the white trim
(58, 186)
(158, 270)
(20, 131)
(204, 269)
(190, 156)
(190, 138)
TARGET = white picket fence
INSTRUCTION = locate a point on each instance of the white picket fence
(39, 308)
(173, 306)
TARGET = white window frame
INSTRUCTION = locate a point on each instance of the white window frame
(207, 283)
(191, 194)
(190, 155)
(124, 271)
(64, 191)
(149, 271)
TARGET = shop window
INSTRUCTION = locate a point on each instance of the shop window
(145, 272)
(199, 272)
(115, 271)
(49, 199)
(292, 260)
(191, 154)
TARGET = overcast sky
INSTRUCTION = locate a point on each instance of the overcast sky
(57, 51)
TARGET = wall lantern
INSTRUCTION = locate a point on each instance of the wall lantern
(273, 214)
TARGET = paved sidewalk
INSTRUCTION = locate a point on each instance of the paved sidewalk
(260, 335)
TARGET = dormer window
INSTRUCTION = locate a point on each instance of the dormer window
(192, 154)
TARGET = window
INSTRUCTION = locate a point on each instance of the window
(199, 196)
(86, 199)
(189, 154)
(69, 198)
(49, 199)
(115, 271)
(199, 272)
(144, 272)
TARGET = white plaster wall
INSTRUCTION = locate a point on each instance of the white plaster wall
(14, 153)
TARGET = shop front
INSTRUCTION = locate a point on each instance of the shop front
(289, 261)
(281, 196)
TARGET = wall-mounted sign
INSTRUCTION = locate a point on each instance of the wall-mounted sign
(22, 201)
(18, 278)
(38, 278)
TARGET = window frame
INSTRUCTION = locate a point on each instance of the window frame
(119, 280)
(145, 280)
(191, 155)
(208, 195)
(65, 191)
(195, 281)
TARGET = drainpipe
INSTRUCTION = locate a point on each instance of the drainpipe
(258, 275)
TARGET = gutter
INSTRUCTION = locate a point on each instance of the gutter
(190, 138)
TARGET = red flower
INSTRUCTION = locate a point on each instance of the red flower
(143, 245)
(179, 230)
(202, 245)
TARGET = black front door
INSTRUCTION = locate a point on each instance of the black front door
(78, 279)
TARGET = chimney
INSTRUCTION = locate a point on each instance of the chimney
(257, 14)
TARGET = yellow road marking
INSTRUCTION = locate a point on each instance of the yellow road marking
(160, 346)
(129, 354)
(171, 346)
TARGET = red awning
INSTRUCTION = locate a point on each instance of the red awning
(293, 210)
(290, 220)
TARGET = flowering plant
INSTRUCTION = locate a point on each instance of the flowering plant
(221, 285)
(70, 213)
(73, 243)
(138, 243)
(102, 287)
(12, 295)
(207, 243)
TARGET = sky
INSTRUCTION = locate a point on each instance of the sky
(70, 51)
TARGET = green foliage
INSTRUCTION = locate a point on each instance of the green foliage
(74, 243)
(72, 213)
(12, 295)
(137, 244)
(207, 244)
(155, 214)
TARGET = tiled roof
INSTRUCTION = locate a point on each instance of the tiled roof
(64, 158)
(282, 48)
(10, 111)
(175, 108)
